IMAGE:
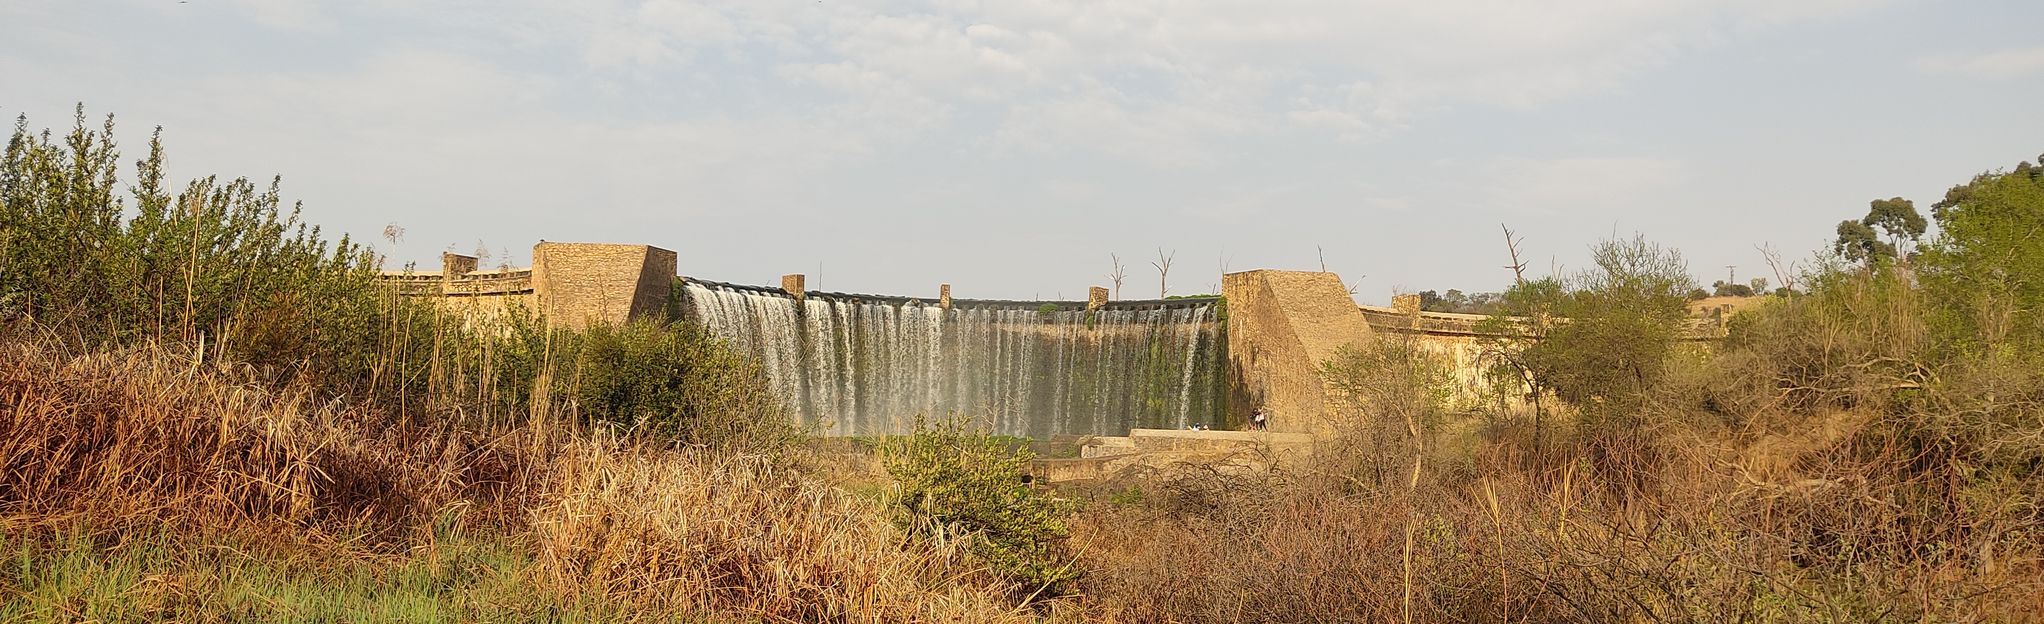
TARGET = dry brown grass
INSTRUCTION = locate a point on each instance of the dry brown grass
(1815, 474)
(142, 441)
(1828, 463)
(701, 532)
(1822, 533)
(146, 436)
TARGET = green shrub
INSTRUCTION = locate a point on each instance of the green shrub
(1985, 269)
(224, 267)
(956, 484)
(676, 380)
(1602, 336)
(1395, 399)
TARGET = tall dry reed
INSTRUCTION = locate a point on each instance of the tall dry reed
(141, 441)
(144, 435)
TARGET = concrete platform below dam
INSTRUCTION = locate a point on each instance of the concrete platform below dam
(1104, 457)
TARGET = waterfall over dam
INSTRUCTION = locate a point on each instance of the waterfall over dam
(864, 365)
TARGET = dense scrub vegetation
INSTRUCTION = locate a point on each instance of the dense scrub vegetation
(1866, 447)
(208, 412)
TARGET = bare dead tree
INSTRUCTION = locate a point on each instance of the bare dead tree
(1117, 275)
(393, 233)
(1784, 272)
(1352, 288)
(1163, 265)
(1221, 259)
(1512, 246)
(1323, 269)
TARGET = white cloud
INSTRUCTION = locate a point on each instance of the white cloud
(1165, 134)
(1583, 184)
(1162, 75)
(1344, 124)
(2007, 64)
(1152, 81)
(530, 118)
(278, 14)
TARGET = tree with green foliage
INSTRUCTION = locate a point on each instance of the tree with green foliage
(1861, 241)
(1985, 268)
(1898, 219)
(1857, 242)
(1723, 288)
(1458, 302)
(223, 265)
(1601, 337)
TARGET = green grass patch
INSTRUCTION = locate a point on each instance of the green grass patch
(71, 576)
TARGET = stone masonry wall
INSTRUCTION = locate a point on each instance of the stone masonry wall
(1282, 325)
(573, 284)
(478, 296)
(578, 284)
(1460, 341)
(1453, 337)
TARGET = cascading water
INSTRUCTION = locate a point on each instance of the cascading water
(858, 365)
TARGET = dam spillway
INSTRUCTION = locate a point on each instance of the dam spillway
(867, 365)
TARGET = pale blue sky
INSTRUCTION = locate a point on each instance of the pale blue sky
(1009, 147)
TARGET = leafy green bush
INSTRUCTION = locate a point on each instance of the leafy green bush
(225, 270)
(1604, 334)
(956, 484)
(1985, 269)
(676, 380)
(221, 266)
(1856, 335)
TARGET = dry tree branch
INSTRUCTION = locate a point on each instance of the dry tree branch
(1512, 246)
(1784, 274)
(1163, 265)
(1117, 275)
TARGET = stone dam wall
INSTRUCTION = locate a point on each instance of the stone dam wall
(858, 364)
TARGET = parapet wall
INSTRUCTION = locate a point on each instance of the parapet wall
(1464, 344)
(1455, 338)
(476, 295)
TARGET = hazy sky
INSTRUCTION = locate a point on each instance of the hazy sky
(1009, 147)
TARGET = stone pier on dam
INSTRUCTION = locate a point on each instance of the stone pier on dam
(856, 364)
